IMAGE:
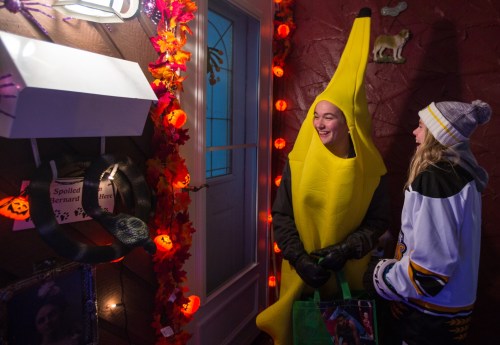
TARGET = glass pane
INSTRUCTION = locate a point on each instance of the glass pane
(219, 92)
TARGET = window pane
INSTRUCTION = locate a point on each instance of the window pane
(219, 92)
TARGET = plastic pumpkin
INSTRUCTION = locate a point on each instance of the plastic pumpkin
(183, 183)
(163, 243)
(192, 306)
(16, 208)
(177, 118)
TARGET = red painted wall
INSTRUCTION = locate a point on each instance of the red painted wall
(453, 54)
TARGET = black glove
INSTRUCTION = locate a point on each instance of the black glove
(310, 271)
(333, 257)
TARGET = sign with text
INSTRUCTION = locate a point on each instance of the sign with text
(66, 197)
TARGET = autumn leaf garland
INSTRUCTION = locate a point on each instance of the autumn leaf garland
(166, 167)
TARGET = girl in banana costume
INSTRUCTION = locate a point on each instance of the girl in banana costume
(331, 203)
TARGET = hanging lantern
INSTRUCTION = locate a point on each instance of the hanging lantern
(278, 71)
(277, 180)
(271, 282)
(277, 1)
(16, 208)
(176, 118)
(283, 30)
(280, 143)
(163, 243)
(276, 248)
(269, 218)
(182, 183)
(192, 306)
(280, 105)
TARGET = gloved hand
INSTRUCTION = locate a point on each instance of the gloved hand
(310, 271)
(333, 257)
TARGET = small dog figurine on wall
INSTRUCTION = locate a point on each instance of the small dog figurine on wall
(394, 42)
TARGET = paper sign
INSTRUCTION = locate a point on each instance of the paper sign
(66, 197)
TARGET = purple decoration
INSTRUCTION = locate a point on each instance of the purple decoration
(149, 8)
(25, 7)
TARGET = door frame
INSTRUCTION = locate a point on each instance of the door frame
(251, 284)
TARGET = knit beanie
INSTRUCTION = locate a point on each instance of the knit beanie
(453, 122)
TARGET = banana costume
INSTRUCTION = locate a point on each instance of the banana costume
(330, 195)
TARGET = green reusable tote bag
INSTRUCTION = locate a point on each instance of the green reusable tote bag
(349, 319)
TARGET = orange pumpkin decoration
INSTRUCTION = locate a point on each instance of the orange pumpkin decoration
(163, 243)
(192, 306)
(17, 208)
(182, 183)
(177, 118)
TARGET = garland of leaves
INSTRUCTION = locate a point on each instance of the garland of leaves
(166, 168)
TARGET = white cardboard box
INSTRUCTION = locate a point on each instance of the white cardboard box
(52, 91)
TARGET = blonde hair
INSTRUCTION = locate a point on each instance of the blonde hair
(427, 153)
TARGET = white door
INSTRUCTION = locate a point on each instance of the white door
(231, 154)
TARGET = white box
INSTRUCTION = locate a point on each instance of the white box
(53, 91)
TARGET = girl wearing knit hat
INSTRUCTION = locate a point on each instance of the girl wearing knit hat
(432, 280)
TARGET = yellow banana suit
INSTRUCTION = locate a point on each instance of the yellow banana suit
(330, 195)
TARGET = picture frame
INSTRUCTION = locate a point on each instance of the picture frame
(59, 303)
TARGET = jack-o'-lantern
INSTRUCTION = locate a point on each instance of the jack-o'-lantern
(16, 208)
(163, 243)
(177, 118)
(182, 183)
(192, 306)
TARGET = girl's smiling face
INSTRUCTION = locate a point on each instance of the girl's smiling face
(419, 132)
(330, 123)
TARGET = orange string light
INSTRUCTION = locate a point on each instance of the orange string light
(281, 105)
(283, 30)
(277, 180)
(276, 248)
(278, 71)
(280, 143)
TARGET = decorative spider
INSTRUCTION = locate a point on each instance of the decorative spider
(25, 7)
